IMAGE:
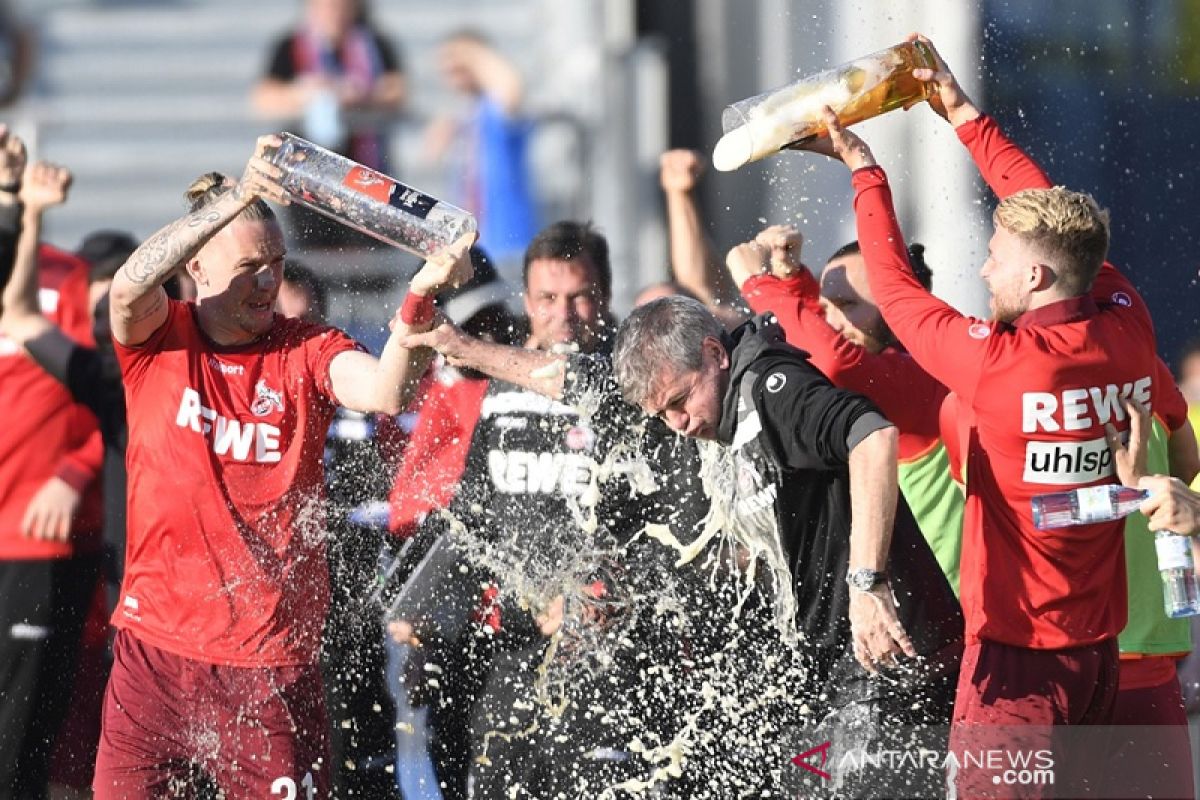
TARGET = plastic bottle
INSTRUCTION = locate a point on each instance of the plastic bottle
(1086, 505)
(367, 200)
(1181, 591)
(866, 87)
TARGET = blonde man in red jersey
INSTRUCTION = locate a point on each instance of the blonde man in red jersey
(1068, 341)
(215, 681)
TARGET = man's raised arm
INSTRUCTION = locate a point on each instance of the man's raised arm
(137, 301)
(44, 186)
(1005, 166)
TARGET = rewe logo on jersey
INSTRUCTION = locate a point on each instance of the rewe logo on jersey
(242, 441)
(1080, 408)
(1075, 409)
(518, 472)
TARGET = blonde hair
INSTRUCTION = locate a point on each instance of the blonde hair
(1068, 228)
(212, 185)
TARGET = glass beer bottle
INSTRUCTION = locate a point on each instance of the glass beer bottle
(366, 200)
(866, 87)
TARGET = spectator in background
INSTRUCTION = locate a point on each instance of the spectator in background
(488, 146)
(50, 456)
(16, 54)
(345, 82)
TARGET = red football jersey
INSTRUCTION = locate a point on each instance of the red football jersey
(225, 561)
(1040, 391)
(45, 433)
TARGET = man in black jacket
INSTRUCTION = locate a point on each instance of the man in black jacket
(810, 482)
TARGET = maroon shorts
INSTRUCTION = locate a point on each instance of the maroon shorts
(171, 723)
(1009, 715)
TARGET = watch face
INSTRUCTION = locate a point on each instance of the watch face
(862, 579)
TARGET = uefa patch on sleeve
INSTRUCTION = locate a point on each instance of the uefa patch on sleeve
(775, 382)
(1122, 299)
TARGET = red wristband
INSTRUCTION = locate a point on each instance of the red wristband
(417, 309)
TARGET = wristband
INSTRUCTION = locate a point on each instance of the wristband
(11, 188)
(417, 309)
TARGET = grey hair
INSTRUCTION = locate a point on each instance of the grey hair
(667, 332)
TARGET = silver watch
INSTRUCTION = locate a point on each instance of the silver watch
(864, 580)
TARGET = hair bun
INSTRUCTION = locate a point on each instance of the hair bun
(205, 189)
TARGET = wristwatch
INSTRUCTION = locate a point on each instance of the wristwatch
(864, 580)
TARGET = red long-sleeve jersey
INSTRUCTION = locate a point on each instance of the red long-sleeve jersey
(1040, 391)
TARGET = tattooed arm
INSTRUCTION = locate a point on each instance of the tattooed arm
(137, 302)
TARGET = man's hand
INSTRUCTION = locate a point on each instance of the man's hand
(1172, 506)
(45, 185)
(451, 267)
(261, 178)
(51, 511)
(446, 338)
(679, 170)
(951, 102)
(747, 260)
(784, 243)
(878, 637)
(1130, 461)
(12, 160)
(841, 144)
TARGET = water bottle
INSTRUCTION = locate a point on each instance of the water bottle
(1085, 506)
(366, 200)
(1181, 592)
(866, 87)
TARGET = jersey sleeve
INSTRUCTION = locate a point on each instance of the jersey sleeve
(1006, 167)
(794, 304)
(135, 361)
(323, 344)
(813, 424)
(951, 347)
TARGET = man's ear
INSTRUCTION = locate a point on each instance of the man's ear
(716, 351)
(1042, 276)
(196, 270)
